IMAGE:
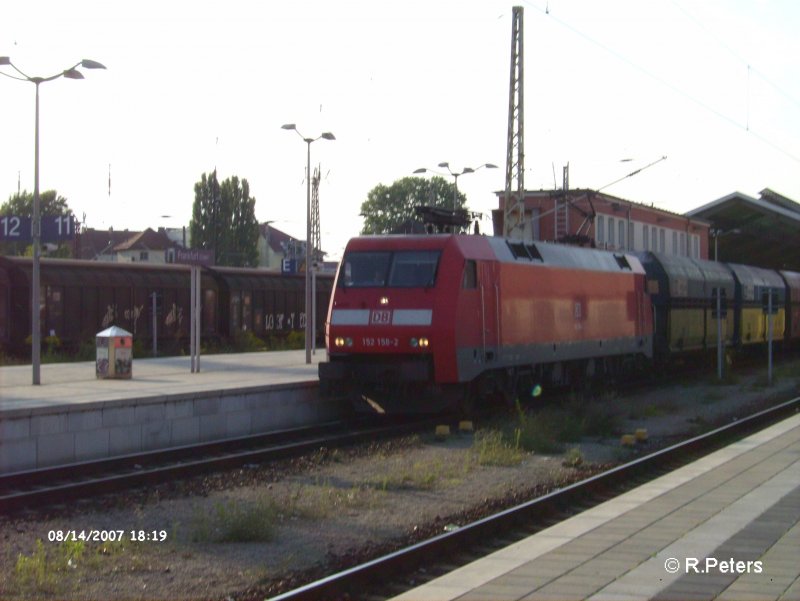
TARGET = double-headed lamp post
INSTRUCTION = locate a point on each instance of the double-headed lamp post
(455, 175)
(717, 234)
(324, 136)
(36, 226)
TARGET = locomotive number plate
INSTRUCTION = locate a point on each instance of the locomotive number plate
(380, 342)
(381, 317)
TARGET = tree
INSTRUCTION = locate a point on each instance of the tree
(224, 219)
(388, 208)
(21, 204)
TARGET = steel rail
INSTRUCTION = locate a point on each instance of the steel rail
(54, 485)
(352, 582)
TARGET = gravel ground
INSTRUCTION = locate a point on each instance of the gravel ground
(261, 529)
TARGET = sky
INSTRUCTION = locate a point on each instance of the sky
(610, 87)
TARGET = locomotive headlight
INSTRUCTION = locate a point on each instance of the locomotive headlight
(339, 341)
(419, 342)
(384, 300)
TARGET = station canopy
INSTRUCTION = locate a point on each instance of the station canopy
(763, 231)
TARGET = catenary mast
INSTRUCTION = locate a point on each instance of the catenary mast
(514, 200)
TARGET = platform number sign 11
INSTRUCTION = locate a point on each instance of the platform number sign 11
(55, 228)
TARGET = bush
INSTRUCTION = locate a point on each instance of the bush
(245, 342)
(234, 522)
(548, 429)
(491, 448)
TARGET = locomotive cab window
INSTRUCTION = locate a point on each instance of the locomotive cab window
(401, 269)
(414, 269)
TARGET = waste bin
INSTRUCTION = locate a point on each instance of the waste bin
(114, 353)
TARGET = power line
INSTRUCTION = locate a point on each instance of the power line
(736, 55)
(746, 127)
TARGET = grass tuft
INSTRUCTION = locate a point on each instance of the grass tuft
(491, 448)
(237, 522)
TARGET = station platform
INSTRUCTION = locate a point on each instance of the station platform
(725, 527)
(72, 416)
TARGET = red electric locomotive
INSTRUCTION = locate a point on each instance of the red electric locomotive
(424, 323)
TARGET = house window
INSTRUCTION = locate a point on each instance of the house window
(601, 230)
(683, 244)
(662, 240)
(646, 238)
(621, 234)
(610, 231)
(674, 243)
(535, 223)
(143, 255)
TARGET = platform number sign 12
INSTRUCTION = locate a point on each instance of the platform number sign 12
(15, 229)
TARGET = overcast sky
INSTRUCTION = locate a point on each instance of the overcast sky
(712, 85)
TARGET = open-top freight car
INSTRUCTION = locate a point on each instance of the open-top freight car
(81, 298)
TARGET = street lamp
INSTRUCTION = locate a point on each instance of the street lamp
(36, 226)
(325, 136)
(455, 175)
(717, 233)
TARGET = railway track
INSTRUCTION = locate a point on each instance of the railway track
(49, 486)
(406, 568)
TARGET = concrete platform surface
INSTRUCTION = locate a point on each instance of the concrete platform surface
(725, 527)
(71, 383)
(73, 417)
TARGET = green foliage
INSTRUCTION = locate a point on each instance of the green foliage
(224, 219)
(245, 342)
(387, 208)
(491, 448)
(546, 430)
(573, 458)
(536, 434)
(237, 522)
(324, 499)
(421, 475)
(43, 569)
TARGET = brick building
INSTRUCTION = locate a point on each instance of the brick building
(604, 221)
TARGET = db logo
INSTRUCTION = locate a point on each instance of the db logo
(381, 317)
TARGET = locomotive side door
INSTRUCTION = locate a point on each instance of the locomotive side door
(489, 284)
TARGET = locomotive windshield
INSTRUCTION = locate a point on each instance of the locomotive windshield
(400, 269)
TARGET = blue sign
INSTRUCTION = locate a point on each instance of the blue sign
(55, 228)
(15, 229)
(289, 266)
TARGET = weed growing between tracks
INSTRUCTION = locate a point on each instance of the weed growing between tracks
(54, 569)
(548, 429)
(232, 521)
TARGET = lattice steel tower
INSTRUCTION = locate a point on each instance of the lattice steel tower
(315, 244)
(514, 200)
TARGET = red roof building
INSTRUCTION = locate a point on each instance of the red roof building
(600, 220)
